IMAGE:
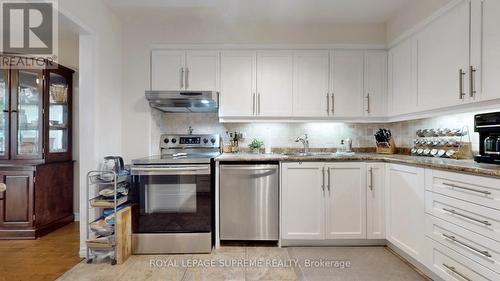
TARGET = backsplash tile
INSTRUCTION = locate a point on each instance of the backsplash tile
(321, 134)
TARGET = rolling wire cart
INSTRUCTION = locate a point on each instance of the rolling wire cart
(101, 228)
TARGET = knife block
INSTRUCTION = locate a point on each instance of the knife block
(386, 147)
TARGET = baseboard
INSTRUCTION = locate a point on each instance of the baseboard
(77, 216)
(419, 267)
(83, 252)
(333, 242)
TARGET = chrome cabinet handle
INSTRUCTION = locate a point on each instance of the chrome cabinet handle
(182, 77)
(328, 175)
(368, 103)
(472, 81)
(333, 103)
(486, 192)
(258, 103)
(323, 178)
(253, 104)
(452, 269)
(461, 93)
(186, 78)
(467, 216)
(370, 178)
(327, 104)
(454, 239)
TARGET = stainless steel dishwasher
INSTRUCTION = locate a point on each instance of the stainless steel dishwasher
(249, 202)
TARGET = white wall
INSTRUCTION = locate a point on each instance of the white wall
(140, 37)
(411, 14)
(69, 57)
(100, 110)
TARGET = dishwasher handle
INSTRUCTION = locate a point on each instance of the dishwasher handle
(250, 167)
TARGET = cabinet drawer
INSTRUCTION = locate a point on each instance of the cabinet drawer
(485, 221)
(470, 244)
(480, 190)
(452, 266)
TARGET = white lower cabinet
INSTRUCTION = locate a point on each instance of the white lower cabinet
(452, 266)
(375, 199)
(405, 209)
(302, 201)
(462, 225)
(474, 246)
(345, 201)
(326, 201)
(453, 232)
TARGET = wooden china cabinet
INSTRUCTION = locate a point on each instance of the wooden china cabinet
(36, 166)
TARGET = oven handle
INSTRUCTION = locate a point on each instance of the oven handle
(184, 170)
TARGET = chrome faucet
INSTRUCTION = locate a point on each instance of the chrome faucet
(305, 142)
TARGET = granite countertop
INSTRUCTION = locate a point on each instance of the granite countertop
(462, 165)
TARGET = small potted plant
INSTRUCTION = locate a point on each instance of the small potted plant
(256, 145)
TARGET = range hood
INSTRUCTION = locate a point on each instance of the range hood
(184, 101)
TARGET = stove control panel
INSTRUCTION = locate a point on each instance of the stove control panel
(191, 141)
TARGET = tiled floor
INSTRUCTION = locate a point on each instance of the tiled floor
(346, 263)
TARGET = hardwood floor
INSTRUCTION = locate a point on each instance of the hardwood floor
(46, 258)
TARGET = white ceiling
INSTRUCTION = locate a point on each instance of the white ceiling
(268, 11)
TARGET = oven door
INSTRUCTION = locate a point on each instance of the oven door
(172, 198)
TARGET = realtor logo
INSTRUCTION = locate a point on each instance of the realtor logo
(29, 28)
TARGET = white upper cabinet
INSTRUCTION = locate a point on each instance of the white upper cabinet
(311, 84)
(202, 71)
(346, 201)
(375, 83)
(485, 49)
(402, 79)
(302, 201)
(443, 59)
(238, 83)
(347, 68)
(274, 83)
(184, 70)
(167, 69)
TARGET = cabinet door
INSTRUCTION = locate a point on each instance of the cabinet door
(311, 84)
(375, 201)
(58, 100)
(4, 114)
(489, 58)
(347, 80)
(302, 201)
(443, 59)
(202, 70)
(26, 114)
(274, 83)
(405, 220)
(16, 202)
(375, 83)
(402, 78)
(167, 70)
(346, 201)
(237, 83)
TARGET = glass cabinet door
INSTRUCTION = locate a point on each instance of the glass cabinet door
(58, 113)
(4, 113)
(29, 107)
